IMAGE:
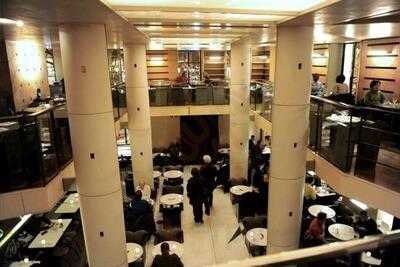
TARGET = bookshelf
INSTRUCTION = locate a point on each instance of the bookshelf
(260, 64)
(320, 58)
(380, 61)
(214, 64)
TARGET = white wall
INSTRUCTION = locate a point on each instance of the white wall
(223, 126)
(28, 70)
(165, 130)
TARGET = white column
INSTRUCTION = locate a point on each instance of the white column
(335, 61)
(239, 108)
(289, 137)
(139, 124)
(84, 55)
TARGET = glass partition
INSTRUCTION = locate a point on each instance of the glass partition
(33, 147)
(261, 96)
(180, 96)
(378, 150)
(363, 139)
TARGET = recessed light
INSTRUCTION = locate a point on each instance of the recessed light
(18, 23)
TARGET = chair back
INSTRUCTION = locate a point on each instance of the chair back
(172, 189)
(169, 235)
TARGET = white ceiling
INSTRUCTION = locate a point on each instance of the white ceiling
(216, 22)
(228, 5)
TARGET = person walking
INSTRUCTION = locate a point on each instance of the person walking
(208, 173)
(196, 195)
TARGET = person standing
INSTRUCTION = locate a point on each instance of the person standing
(208, 172)
(196, 195)
(252, 144)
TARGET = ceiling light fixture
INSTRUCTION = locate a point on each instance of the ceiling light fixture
(18, 23)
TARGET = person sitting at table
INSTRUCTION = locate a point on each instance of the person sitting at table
(208, 172)
(196, 194)
(317, 88)
(340, 87)
(374, 96)
(207, 79)
(182, 78)
(139, 206)
(315, 234)
(144, 189)
(365, 225)
(166, 259)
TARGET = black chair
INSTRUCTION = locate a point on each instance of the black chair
(247, 205)
(173, 182)
(139, 237)
(144, 222)
(169, 235)
(172, 189)
(223, 177)
(254, 222)
(171, 217)
(173, 168)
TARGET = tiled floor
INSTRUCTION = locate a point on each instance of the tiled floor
(207, 244)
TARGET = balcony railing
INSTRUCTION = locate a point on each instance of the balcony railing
(362, 140)
(34, 146)
(177, 96)
(181, 96)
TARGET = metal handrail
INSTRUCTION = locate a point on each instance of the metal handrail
(332, 250)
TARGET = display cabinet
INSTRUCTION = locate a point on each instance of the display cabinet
(34, 147)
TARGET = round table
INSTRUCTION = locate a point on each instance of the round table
(160, 154)
(173, 174)
(239, 190)
(223, 150)
(156, 174)
(257, 237)
(171, 199)
(367, 258)
(315, 209)
(174, 248)
(124, 151)
(342, 231)
(23, 263)
(266, 151)
(134, 252)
